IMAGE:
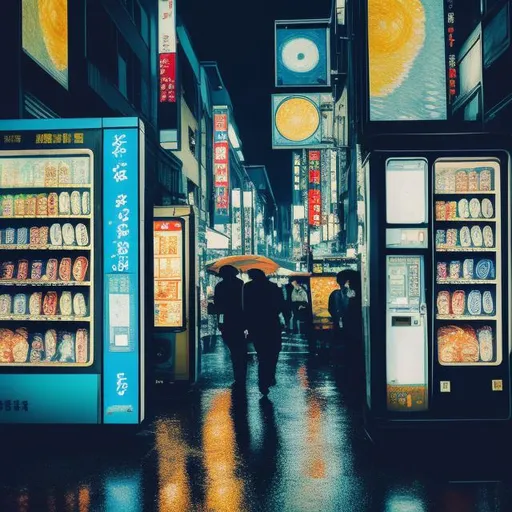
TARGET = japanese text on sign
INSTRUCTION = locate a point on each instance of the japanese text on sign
(13, 406)
(221, 164)
(452, 57)
(12, 139)
(314, 195)
(59, 138)
(167, 50)
(122, 384)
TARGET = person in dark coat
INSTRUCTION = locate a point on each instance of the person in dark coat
(228, 306)
(346, 313)
(263, 304)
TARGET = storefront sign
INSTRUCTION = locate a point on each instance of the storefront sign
(314, 195)
(221, 164)
(452, 56)
(168, 273)
(167, 50)
(121, 275)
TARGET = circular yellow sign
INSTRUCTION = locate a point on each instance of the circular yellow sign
(297, 119)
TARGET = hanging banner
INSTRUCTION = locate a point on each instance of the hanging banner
(296, 191)
(167, 50)
(452, 56)
(221, 164)
(314, 195)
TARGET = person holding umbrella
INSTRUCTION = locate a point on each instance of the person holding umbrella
(228, 306)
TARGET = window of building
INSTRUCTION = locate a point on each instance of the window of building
(142, 22)
(103, 56)
(192, 140)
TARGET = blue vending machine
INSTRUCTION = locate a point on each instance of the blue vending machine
(71, 254)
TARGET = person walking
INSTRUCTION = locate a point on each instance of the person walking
(300, 305)
(263, 304)
(346, 313)
(228, 306)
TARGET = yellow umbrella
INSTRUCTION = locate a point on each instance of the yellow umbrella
(244, 263)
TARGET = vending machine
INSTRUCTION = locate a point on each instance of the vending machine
(71, 279)
(436, 269)
(175, 338)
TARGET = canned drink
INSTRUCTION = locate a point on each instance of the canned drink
(30, 205)
(19, 205)
(20, 304)
(53, 205)
(7, 206)
(35, 303)
(7, 270)
(52, 269)
(42, 205)
(43, 235)
(22, 236)
(10, 236)
(442, 271)
(454, 269)
(34, 236)
(5, 304)
(65, 269)
(37, 270)
(22, 273)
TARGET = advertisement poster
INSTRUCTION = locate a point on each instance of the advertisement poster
(121, 275)
(221, 164)
(407, 60)
(168, 271)
(302, 56)
(321, 289)
(45, 36)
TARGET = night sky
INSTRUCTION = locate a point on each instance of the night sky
(239, 35)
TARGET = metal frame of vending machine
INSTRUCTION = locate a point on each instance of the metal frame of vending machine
(71, 254)
(436, 273)
(176, 353)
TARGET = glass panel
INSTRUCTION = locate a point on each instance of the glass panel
(46, 267)
(468, 269)
(406, 336)
(406, 191)
(470, 69)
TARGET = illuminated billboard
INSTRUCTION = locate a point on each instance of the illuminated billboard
(315, 194)
(300, 120)
(221, 164)
(302, 55)
(407, 60)
(167, 50)
(45, 36)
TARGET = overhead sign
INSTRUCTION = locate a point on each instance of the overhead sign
(315, 194)
(302, 54)
(301, 120)
(221, 164)
(407, 60)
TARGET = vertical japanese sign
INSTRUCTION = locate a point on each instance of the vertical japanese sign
(248, 222)
(221, 164)
(121, 275)
(325, 186)
(296, 162)
(167, 50)
(452, 56)
(314, 195)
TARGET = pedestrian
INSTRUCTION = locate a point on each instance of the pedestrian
(228, 306)
(300, 305)
(263, 305)
(346, 313)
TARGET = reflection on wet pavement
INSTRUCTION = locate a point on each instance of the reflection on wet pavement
(221, 450)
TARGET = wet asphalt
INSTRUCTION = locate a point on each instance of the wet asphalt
(215, 449)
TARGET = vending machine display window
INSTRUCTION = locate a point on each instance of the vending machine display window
(468, 272)
(406, 191)
(46, 252)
